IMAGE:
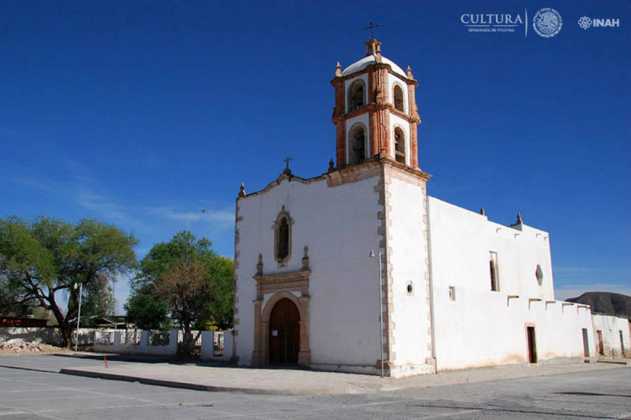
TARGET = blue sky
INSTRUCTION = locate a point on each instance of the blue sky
(143, 113)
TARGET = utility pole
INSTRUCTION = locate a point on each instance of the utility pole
(76, 341)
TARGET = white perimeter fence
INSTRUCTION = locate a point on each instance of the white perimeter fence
(215, 345)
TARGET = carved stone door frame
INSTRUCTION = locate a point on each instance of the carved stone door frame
(281, 286)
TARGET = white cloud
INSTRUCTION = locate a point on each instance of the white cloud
(101, 205)
(218, 218)
(38, 184)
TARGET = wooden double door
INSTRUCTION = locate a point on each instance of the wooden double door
(284, 333)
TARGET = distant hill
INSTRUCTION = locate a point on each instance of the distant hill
(606, 303)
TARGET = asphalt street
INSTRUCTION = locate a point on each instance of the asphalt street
(36, 394)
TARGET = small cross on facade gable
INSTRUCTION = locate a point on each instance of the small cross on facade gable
(287, 169)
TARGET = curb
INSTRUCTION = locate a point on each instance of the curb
(29, 369)
(173, 384)
(614, 362)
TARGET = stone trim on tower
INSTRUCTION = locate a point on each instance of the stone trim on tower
(386, 275)
(235, 317)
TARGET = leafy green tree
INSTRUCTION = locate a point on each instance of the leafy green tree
(187, 289)
(222, 302)
(147, 311)
(98, 300)
(10, 304)
(44, 259)
(195, 284)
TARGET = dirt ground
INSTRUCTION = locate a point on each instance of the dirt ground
(19, 346)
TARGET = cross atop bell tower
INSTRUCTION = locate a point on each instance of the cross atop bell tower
(371, 28)
(375, 112)
(373, 45)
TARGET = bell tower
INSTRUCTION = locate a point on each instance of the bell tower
(375, 112)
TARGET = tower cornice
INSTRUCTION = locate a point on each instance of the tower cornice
(372, 107)
(373, 67)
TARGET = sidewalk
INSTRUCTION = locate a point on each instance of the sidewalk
(305, 382)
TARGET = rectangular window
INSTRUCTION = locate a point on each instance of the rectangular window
(452, 292)
(494, 272)
(585, 343)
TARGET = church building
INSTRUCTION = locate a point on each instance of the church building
(360, 270)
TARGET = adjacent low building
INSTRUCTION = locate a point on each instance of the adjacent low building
(611, 335)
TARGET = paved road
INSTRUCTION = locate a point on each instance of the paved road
(595, 394)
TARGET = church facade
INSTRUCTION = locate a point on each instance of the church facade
(360, 270)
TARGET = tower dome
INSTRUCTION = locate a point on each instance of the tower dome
(373, 55)
(366, 61)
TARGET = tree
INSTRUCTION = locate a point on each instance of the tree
(193, 282)
(187, 288)
(9, 301)
(222, 302)
(48, 257)
(98, 299)
(147, 311)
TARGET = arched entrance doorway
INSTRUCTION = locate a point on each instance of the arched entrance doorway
(284, 332)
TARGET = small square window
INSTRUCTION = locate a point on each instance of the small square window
(452, 292)
(410, 288)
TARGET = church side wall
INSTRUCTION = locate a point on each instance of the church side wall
(611, 326)
(480, 327)
(339, 224)
(408, 265)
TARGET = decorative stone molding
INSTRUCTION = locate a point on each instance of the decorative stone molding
(386, 275)
(368, 68)
(259, 266)
(344, 175)
(374, 107)
(340, 140)
(282, 215)
(235, 303)
(353, 173)
(305, 259)
(429, 277)
(280, 286)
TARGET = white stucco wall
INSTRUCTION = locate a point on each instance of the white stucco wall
(339, 225)
(407, 255)
(482, 327)
(462, 240)
(611, 326)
